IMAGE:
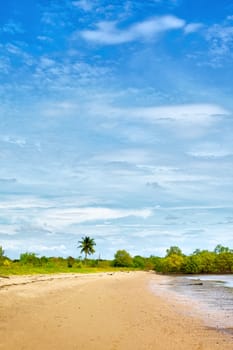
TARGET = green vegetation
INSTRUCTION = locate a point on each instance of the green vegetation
(122, 259)
(1, 252)
(87, 246)
(200, 261)
(220, 260)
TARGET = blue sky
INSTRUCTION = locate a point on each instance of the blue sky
(116, 122)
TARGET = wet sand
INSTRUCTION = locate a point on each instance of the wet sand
(108, 311)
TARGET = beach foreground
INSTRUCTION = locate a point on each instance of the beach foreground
(112, 311)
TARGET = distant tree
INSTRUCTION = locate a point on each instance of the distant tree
(173, 250)
(139, 262)
(87, 246)
(193, 263)
(70, 261)
(29, 258)
(221, 249)
(196, 251)
(173, 263)
(44, 260)
(1, 252)
(206, 261)
(122, 259)
(1, 255)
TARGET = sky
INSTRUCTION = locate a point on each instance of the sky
(116, 123)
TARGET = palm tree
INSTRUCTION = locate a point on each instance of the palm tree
(87, 246)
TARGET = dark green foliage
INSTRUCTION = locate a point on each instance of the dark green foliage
(192, 264)
(87, 246)
(139, 262)
(1, 252)
(70, 261)
(122, 259)
(1, 255)
(29, 258)
(44, 260)
(221, 249)
(174, 250)
(224, 262)
(157, 262)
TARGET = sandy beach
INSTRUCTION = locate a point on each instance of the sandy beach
(112, 311)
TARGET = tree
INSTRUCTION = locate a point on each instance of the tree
(173, 263)
(1, 252)
(139, 262)
(173, 250)
(87, 246)
(221, 249)
(122, 259)
(29, 258)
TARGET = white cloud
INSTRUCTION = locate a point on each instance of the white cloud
(210, 150)
(40, 248)
(17, 51)
(192, 27)
(220, 39)
(12, 27)
(191, 113)
(44, 38)
(85, 5)
(107, 32)
(19, 141)
(197, 115)
(21, 203)
(9, 230)
(68, 216)
(131, 156)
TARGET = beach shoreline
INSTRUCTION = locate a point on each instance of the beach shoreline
(112, 311)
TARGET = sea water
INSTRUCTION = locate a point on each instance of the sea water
(209, 297)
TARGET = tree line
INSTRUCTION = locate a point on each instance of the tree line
(220, 260)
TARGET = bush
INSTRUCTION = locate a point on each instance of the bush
(29, 258)
(7, 262)
(122, 259)
(104, 263)
(139, 262)
(70, 261)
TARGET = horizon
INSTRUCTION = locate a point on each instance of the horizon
(116, 123)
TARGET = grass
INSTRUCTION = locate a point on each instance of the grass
(16, 269)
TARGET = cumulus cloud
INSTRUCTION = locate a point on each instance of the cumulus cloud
(107, 33)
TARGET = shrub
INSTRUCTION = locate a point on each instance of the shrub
(29, 258)
(70, 261)
(122, 259)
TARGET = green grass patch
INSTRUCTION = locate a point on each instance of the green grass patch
(16, 269)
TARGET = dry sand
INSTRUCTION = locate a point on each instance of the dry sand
(92, 312)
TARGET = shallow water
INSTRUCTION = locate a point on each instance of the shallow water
(209, 297)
